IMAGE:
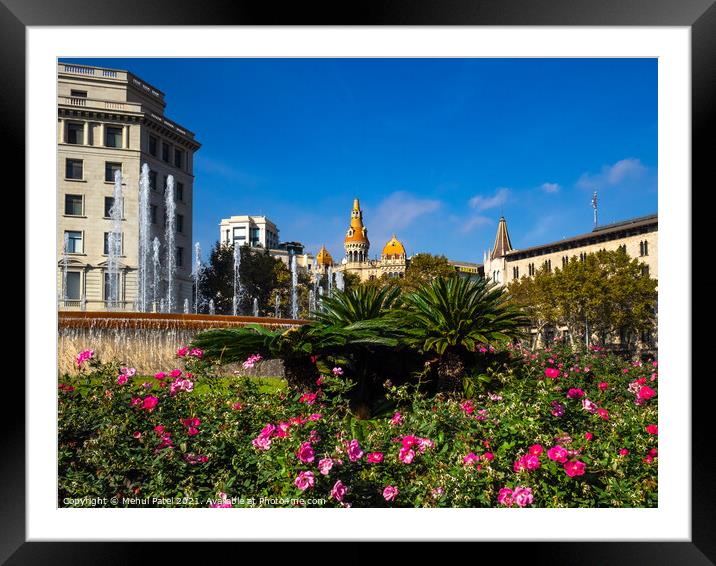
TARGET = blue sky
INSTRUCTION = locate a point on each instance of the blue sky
(434, 148)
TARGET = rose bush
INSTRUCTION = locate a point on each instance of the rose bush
(188, 437)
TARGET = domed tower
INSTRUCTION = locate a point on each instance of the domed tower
(324, 259)
(356, 242)
(393, 249)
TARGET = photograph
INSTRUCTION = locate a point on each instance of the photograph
(357, 282)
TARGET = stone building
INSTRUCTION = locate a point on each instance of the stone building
(111, 120)
(393, 260)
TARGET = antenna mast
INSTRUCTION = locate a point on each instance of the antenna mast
(594, 206)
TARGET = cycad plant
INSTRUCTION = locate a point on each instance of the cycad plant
(451, 317)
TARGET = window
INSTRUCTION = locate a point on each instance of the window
(582, 256)
(515, 273)
(547, 265)
(645, 270)
(565, 261)
(73, 205)
(78, 93)
(108, 204)
(75, 133)
(110, 169)
(74, 242)
(153, 145)
(180, 191)
(643, 248)
(113, 136)
(180, 223)
(73, 169)
(73, 286)
(153, 180)
(178, 158)
(531, 269)
(153, 213)
(106, 285)
(180, 256)
(254, 233)
(165, 152)
(106, 243)
(239, 233)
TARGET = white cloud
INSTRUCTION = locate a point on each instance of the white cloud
(476, 221)
(550, 187)
(400, 209)
(611, 175)
(480, 202)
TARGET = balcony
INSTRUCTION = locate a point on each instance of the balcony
(96, 104)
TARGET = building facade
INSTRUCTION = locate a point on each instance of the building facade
(393, 260)
(256, 231)
(111, 120)
(639, 237)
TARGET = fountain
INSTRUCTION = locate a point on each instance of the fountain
(320, 298)
(329, 283)
(186, 306)
(65, 261)
(144, 227)
(169, 241)
(114, 243)
(277, 306)
(161, 305)
(256, 307)
(237, 278)
(156, 270)
(311, 301)
(340, 282)
(197, 267)
(294, 287)
(212, 309)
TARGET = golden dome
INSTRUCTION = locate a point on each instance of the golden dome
(393, 249)
(323, 257)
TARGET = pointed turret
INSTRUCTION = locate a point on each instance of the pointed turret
(502, 240)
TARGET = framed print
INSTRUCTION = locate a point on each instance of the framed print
(233, 187)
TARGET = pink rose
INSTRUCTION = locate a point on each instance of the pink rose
(160, 375)
(337, 371)
(603, 385)
(325, 465)
(406, 455)
(390, 493)
(149, 403)
(397, 419)
(552, 373)
(505, 497)
(181, 352)
(489, 456)
(522, 496)
(121, 379)
(304, 481)
(588, 435)
(652, 429)
(557, 453)
(175, 373)
(604, 414)
(574, 468)
(196, 353)
(623, 452)
(646, 393)
(536, 449)
(575, 393)
(470, 460)
(305, 453)
(375, 457)
(354, 451)
(588, 405)
(339, 491)
(137, 435)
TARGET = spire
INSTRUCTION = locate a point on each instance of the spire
(502, 240)
(356, 204)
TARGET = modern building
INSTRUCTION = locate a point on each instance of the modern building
(111, 120)
(256, 231)
(637, 236)
(393, 260)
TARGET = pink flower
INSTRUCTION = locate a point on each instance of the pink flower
(308, 398)
(489, 456)
(646, 393)
(575, 393)
(406, 455)
(574, 468)
(252, 360)
(531, 462)
(222, 501)
(623, 452)
(552, 373)
(354, 451)
(304, 481)
(536, 449)
(337, 371)
(409, 441)
(522, 496)
(236, 406)
(467, 407)
(83, 356)
(121, 379)
(557, 453)
(129, 372)
(339, 491)
(588, 435)
(314, 436)
(149, 403)
(159, 429)
(196, 353)
(556, 408)
(652, 429)
(325, 465)
(424, 444)
(604, 414)
(505, 497)
(375, 457)
(175, 373)
(471, 459)
(590, 406)
(390, 493)
(160, 375)
(137, 435)
(314, 417)
(283, 428)
(305, 453)
(181, 352)
(397, 419)
(603, 385)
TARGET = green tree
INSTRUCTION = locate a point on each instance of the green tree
(424, 268)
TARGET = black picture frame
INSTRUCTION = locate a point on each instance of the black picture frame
(699, 15)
